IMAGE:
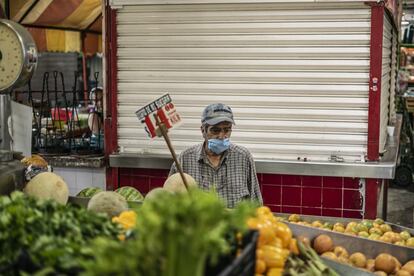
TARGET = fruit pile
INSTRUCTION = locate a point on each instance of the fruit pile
(278, 253)
(383, 264)
(372, 229)
(274, 244)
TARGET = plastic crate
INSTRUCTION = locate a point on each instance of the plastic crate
(243, 265)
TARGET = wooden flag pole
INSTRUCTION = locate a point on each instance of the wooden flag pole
(164, 133)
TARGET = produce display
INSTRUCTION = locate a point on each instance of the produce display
(175, 234)
(382, 264)
(45, 236)
(175, 183)
(371, 229)
(278, 252)
(110, 203)
(89, 192)
(178, 232)
(48, 185)
(130, 193)
(154, 193)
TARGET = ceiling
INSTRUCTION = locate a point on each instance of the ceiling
(78, 15)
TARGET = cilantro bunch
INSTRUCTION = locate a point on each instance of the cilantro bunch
(45, 236)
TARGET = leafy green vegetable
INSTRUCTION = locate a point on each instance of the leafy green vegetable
(46, 236)
(176, 234)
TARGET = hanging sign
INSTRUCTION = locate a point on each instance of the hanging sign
(162, 107)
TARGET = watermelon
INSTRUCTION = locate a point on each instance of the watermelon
(89, 192)
(130, 193)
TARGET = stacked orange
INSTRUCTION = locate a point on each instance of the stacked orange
(274, 244)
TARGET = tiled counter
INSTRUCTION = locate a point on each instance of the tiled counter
(79, 172)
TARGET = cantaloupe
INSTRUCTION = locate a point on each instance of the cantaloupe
(108, 202)
(48, 185)
(175, 183)
(154, 193)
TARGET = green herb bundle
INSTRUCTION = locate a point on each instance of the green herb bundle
(46, 237)
(176, 234)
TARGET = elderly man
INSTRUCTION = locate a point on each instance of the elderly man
(218, 163)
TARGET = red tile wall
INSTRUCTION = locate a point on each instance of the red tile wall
(310, 195)
(142, 179)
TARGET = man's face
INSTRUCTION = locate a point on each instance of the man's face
(219, 131)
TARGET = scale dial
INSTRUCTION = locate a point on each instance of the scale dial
(18, 55)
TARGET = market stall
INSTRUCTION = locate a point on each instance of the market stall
(185, 233)
(311, 85)
(61, 92)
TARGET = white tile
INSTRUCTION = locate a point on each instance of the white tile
(84, 178)
(68, 175)
(99, 178)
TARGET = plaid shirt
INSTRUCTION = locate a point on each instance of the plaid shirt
(234, 179)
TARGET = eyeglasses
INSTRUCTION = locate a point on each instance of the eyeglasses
(217, 130)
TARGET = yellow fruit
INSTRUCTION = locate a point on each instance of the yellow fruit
(260, 266)
(375, 230)
(273, 259)
(385, 228)
(361, 228)
(340, 251)
(409, 266)
(253, 223)
(293, 246)
(358, 259)
(351, 225)
(294, 218)
(330, 255)
(385, 239)
(343, 260)
(363, 234)
(317, 224)
(400, 243)
(275, 272)
(339, 229)
(379, 221)
(405, 235)
(283, 232)
(385, 262)
(370, 265)
(277, 242)
(410, 242)
(259, 253)
(338, 224)
(402, 273)
(266, 234)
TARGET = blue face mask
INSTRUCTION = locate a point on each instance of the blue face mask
(218, 145)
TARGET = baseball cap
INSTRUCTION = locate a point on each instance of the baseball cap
(217, 113)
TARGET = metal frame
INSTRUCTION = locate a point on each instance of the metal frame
(377, 22)
(111, 118)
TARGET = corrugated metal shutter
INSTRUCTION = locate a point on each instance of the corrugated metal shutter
(67, 63)
(295, 75)
(389, 60)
